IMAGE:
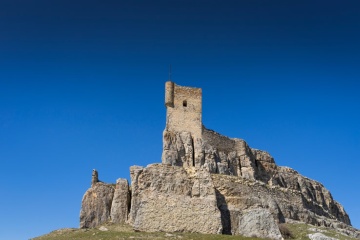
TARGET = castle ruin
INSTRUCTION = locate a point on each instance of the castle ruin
(187, 143)
(209, 183)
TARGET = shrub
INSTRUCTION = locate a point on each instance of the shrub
(285, 231)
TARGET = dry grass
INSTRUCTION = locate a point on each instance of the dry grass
(119, 232)
(297, 231)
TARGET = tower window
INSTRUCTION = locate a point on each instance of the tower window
(184, 103)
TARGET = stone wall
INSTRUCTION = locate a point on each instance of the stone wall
(218, 141)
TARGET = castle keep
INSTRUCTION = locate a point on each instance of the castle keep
(209, 183)
(183, 109)
(183, 126)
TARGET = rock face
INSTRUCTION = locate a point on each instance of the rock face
(167, 198)
(236, 195)
(96, 205)
(314, 196)
(121, 202)
(94, 177)
(258, 223)
(209, 183)
(217, 154)
(103, 203)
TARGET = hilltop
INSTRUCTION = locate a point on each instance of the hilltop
(210, 184)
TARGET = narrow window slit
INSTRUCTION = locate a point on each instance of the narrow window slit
(184, 103)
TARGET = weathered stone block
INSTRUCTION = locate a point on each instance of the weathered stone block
(167, 198)
(258, 223)
(121, 202)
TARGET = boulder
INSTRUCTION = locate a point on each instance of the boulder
(258, 223)
(320, 236)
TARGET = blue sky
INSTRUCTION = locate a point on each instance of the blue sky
(82, 87)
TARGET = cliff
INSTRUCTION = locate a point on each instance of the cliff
(209, 183)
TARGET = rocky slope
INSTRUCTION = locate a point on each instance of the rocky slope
(248, 199)
(296, 196)
(111, 231)
(173, 199)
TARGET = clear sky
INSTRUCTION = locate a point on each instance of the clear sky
(82, 87)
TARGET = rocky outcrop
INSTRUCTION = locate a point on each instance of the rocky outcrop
(217, 154)
(173, 198)
(315, 197)
(213, 185)
(168, 198)
(104, 202)
(96, 205)
(235, 195)
(234, 157)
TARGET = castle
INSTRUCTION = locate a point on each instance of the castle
(209, 183)
(187, 143)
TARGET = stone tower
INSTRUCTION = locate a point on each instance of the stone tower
(183, 131)
(183, 109)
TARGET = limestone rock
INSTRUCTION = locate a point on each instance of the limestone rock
(235, 195)
(103, 229)
(96, 205)
(228, 156)
(315, 197)
(94, 177)
(188, 158)
(167, 198)
(169, 154)
(210, 159)
(259, 223)
(121, 202)
(223, 168)
(199, 152)
(320, 236)
(173, 149)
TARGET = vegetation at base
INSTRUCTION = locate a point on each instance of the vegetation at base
(301, 230)
(298, 231)
(120, 232)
